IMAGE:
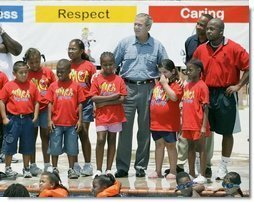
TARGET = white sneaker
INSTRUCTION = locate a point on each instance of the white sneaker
(98, 172)
(87, 170)
(35, 170)
(9, 172)
(109, 172)
(77, 168)
(27, 173)
(200, 180)
(47, 166)
(221, 172)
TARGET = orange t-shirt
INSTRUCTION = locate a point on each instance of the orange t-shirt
(65, 98)
(165, 113)
(109, 85)
(42, 79)
(196, 94)
(82, 74)
(19, 98)
(58, 192)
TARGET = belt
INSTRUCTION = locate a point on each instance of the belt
(21, 115)
(139, 82)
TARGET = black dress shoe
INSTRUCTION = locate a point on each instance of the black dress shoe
(121, 173)
(140, 173)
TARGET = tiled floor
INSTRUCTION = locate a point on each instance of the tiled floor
(133, 186)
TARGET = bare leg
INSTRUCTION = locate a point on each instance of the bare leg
(227, 145)
(191, 157)
(101, 139)
(159, 155)
(45, 144)
(111, 149)
(172, 156)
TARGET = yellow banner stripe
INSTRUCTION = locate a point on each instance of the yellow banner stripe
(76, 14)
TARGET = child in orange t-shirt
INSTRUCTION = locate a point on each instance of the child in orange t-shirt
(195, 125)
(108, 91)
(51, 185)
(82, 71)
(64, 116)
(106, 186)
(19, 109)
(42, 77)
(165, 117)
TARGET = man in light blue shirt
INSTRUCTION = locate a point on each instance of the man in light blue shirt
(137, 57)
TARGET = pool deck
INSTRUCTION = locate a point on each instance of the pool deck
(145, 187)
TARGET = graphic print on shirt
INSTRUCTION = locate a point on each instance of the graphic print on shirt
(21, 95)
(107, 89)
(159, 96)
(188, 96)
(41, 85)
(81, 77)
(64, 93)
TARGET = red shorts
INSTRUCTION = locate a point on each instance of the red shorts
(193, 134)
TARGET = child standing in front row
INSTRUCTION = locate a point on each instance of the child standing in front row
(19, 109)
(42, 77)
(195, 126)
(165, 117)
(108, 92)
(64, 116)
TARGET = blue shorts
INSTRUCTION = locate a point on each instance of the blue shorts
(87, 111)
(42, 120)
(63, 139)
(169, 137)
(19, 129)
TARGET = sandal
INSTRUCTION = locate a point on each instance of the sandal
(153, 175)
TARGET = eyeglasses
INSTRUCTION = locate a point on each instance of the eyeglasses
(184, 186)
(229, 185)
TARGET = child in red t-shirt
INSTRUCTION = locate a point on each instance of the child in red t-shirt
(108, 91)
(81, 72)
(19, 109)
(195, 125)
(165, 117)
(42, 77)
(64, 116)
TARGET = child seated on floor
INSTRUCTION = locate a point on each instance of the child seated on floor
(231, 184)
(51, 185)
(16, 190)
(187, 187)
(106, 186)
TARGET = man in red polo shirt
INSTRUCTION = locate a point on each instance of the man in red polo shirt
(223, 60)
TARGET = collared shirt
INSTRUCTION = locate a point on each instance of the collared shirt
(137, 61)
(222, 67)
(191, 45)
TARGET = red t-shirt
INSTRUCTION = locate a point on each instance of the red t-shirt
(109, 85)
(82, 73)
(165, 113)
(3, 79)
(42, 79)
(196, 94)
(65, 98)
(19, 98)
(222, 67)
